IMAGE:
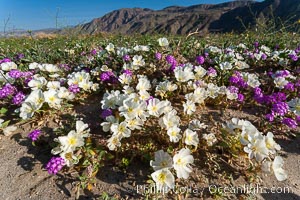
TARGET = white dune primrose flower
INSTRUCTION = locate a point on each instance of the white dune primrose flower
(155, 107)
(271, 144)
(257, 149)
(275, 166)
(51, 68)
(144, 95)
(200, 95)
(7, 66)
(85, 84)
(138, 61)
(134, 123)
(164, 180)
(169, 120)
(231, 95)
(280, 173)
(225, 66)
(51, 97)
(241, 65)
(128, 110)
(163, 42)
(125, 79)
(82, 128)
(182, 161)
(195, 125)
(37, 98)
(191, 137)
(280, 82)
(212, 90)
(55, 85)
(189, 107)
(110, 48)
(113, 142)
(200, 72)
(109, 121)
(27, 110)
(210, 139)
(120, 129)
(64, 93)
(143, 84)
(174, 133)
(34, 65)
(70, 142)
(37, 83)
(161, 160)
(184, 74)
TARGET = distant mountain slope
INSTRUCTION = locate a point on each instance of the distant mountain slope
(182, 20)
(285, 10)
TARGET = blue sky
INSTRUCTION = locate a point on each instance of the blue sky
(39, 14)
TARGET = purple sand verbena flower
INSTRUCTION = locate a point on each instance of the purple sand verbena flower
(4, 60)
(105, 113)
(94, 52)
(104, 76)
(126, 58)
(55, 165)
(127, 72)
(200, 60)
(34, 134)
(257, 91)
(234, 79)
(27, 74)
(15, 73)
(74, 88)
(18, 98)
(280, 108)
(233, 89)
(290, 122)
(241, 97)
(170, 59)
(290, 87)
(280, 96)
(19, 56)
(7, 90)
(293, 57)
(158, 56)
(270, 117)
(211, 71)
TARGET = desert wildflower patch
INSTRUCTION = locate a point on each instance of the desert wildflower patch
(152, 101)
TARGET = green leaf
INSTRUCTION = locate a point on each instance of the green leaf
(5, 124)
(3, 111)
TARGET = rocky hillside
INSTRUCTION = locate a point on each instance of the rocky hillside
(223, 17)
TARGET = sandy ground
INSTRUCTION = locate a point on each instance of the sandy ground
(23, 176)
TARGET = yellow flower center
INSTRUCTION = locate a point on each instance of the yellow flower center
(163, 163)
(121, 129)
(161, 178)
(72, 141)
(179, 162)
(173, 133)
(51, 99)
(154, 108)
(40, 100)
